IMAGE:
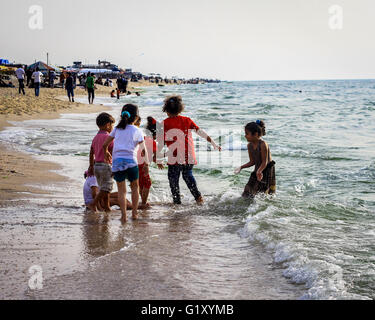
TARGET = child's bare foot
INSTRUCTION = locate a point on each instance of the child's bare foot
(123, 218)
(199, 200)
(144, 206)
(107, 210)
(91, 207)
(135, 215)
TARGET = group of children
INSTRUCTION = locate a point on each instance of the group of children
(124, 153)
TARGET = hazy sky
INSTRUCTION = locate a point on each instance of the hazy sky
(229, 40)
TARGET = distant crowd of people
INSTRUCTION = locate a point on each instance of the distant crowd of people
(68, 81)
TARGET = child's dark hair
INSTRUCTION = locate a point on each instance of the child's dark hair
(129, 114)
(104, 118)
(138, 121)
(256, 127)
(151, 125)
(173, 105)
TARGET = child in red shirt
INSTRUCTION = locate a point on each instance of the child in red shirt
(150, 144)
(181, 153)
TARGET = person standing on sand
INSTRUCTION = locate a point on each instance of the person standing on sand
(69, 86)
(51, 78)
(90, 86)
(20, 73)
(62, 79)
(29, 73)
(37, 77)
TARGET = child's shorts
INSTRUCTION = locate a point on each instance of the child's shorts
(131, 174)
(144, 179)
(103, 174)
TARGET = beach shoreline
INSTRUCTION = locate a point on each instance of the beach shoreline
(31, 184)
(17, 177)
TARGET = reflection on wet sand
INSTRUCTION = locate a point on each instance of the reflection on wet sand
(98, 237)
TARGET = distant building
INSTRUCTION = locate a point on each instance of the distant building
(101, 65)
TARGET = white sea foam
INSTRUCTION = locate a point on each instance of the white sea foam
(322, 277)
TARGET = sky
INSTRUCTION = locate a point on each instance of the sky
(228, 40)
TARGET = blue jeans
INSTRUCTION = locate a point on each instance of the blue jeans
(37, 88)
(187, 174)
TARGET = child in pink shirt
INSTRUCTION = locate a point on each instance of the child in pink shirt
(101, 166)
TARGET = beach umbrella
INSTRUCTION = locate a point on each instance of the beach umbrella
(4, 69)
(41, 65)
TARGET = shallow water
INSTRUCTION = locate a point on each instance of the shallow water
(313, 240)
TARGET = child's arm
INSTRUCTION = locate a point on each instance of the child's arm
(146, 162)
(246, 165)
(94, 191)
(204, 135)
(92, 156)
(264, 155)
(107, 154)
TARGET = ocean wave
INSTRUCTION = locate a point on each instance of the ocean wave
(322, 277)
(268, 107)
(300, 153)
(154, 102)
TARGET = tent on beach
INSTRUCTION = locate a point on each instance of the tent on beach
(43, 67)
(4, 61)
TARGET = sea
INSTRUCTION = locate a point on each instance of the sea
(313, 239)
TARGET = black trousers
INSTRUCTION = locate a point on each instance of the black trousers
(174, 178)
(21, 86)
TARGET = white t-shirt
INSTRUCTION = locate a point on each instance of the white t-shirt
(126, 141)
(37, 76)
(20, 73)
(87, 194)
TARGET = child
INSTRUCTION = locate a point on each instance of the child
(126, 138)
(144, 179)
(263, 178)
(112, 93)
(102, 166)
(90, 190)
(181, 154)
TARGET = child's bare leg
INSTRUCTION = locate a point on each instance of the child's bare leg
(135, 198)
(96, 203)
(107, 207)
(129, 205)
(100, 205)
(99, 201)
(91, 207)
(121, 186)
(144, 195)
(113, 199)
